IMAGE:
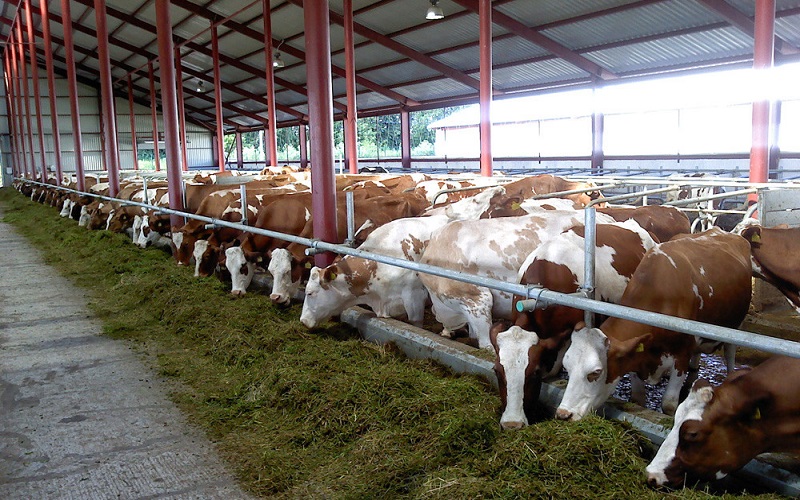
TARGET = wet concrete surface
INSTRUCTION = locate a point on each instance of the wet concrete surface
(81, 416)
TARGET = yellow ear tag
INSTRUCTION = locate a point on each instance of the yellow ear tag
(640, 347)
(308, 265)
(515, 205)
(757, 414)
(755, 238)
(333, 276)
(259, 259)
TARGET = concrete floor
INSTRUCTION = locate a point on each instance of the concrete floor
(81, 416)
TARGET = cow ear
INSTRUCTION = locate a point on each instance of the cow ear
(631, 346)
(753, 235)
(752, 408)
(330, 273)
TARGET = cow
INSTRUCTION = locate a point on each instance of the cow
(703, 277)
(719, 430)
(492, 248)
(663, 222)
(390, 291)
(370, 213)
(530, 349)
(773, 252)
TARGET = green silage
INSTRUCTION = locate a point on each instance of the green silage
(322, 414)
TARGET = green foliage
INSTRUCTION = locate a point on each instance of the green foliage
(323, 414)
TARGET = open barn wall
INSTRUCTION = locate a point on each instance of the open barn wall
(199, 152)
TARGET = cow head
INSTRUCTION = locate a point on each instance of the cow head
(587, 360)
(65, 208)
(242, 266)
(182, 246)
(327, 294)
(287, 273)
(665, 469)
(85, 216)
(521, 359)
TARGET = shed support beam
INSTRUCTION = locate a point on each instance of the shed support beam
(271, 130)
(72, 83)
(239, 151)
(218, 100)
(17, 85)
(405, 139)
(485, 94)
(763, 58)
(107, 94)
(27, 97)
(181, 109)
(37, 98)
(132, 114)
(303, 138)
(351, 116)
(741, 21)
(51, 89)
(154, 116)
(320, 111)
(598, 156)
(12, 113)
(169, 109)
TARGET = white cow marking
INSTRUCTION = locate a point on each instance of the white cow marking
(512, 350)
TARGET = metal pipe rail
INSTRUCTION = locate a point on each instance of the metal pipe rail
(688, 201)
(533, 294)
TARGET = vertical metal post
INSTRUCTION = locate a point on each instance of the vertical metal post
(351, 214)
(12, 111)
(598, 156)
(243, 197)
(15, 47)
(154, 115)
(72, 81)
(27, 98)
(271, 136)
(304, 146)
(132, 113)
(320, 106)
(239, 151)
(485, 88)
(169, 108)
(218, 99)
(107, 92)
(37, 98)
(405, 138)
(590, 239)
(775, 149)
(351, 117)
(22, 168)
(763, 57)
(181, 109)
(51, 87)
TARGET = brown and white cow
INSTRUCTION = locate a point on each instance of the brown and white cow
(774, 258)
(530, 350)
(703, 277)
(494, 248)
(390, 291)
(663, 222)
(719, 430)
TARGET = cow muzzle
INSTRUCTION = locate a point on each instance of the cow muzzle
(280, 299)
(238, 293)
(564, 414)
(512, 426)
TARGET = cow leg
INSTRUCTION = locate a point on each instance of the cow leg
(414, 303)
(638, 390)
(479, 317)
(671, 399)
(729, 351)
(451, 319)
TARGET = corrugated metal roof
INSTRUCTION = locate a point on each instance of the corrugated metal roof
(416, 59)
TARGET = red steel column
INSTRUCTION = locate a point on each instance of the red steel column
(271, 135)
(107, 93)
(763, 57)
(485, 15)
(72, 81)
(51, 88)
(169, 108)
(405, 138)
(154, 116)
(15, 85)
(132, 114)
(351, 118)
(27, 97)
(218, 99)
(15, 48)
(320, 112)
(181, 110)
(37, 97)
(12, 111)
(303, 138)
(239, 151)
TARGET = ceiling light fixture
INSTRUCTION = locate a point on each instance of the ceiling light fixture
(434, 11)
(277, 62)
(200, 86)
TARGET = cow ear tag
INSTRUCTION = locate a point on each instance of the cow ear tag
(755, 238)
(640, 347)
(259, 259)
(757, 414)
(308, 265)
(515, 205)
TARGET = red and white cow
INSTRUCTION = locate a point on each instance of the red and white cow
(718, 430)
(390, 291)
(703, 277)
(494, 248)
(774, 258)
(532, 348)
(663, 222)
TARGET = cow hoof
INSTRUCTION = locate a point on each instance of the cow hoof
(238, 293)
(446, 334)
(562, 414)
(512, 426)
